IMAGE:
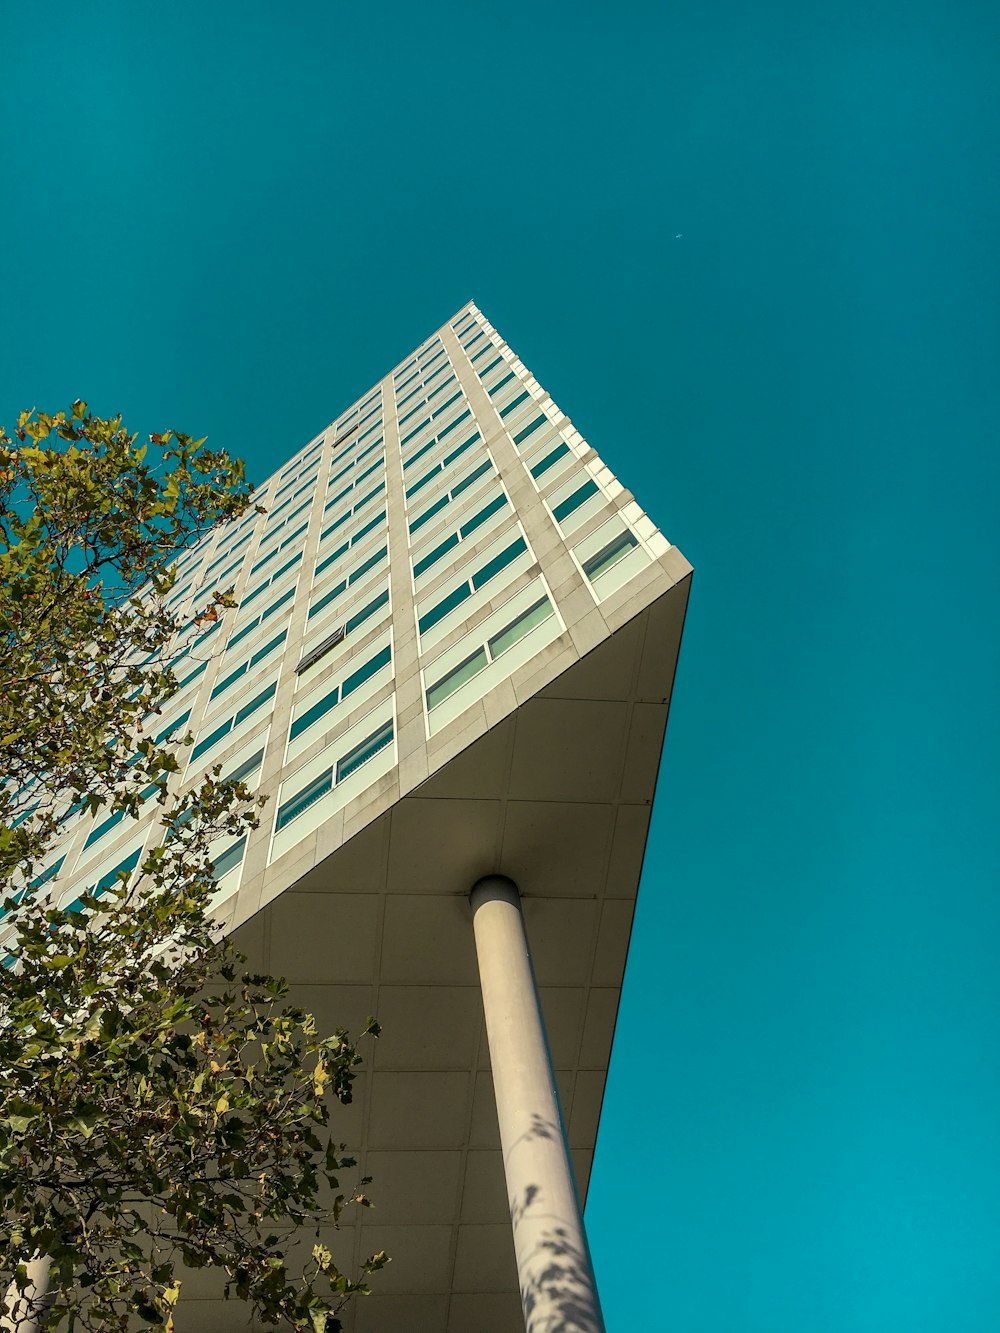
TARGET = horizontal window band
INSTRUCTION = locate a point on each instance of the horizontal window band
(580, 496)
(505, 412)
(522, 435)
(609, 555)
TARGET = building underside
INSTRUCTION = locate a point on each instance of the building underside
(557, 796)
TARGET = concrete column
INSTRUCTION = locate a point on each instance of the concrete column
(555, 1273)
(21, 1313)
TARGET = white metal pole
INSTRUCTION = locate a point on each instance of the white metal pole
(554, 1268)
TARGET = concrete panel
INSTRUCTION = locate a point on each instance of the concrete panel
(568, 749)
(428, 1027)
(324, 937)
(484, 1260)
(426, 940)
(443, 844)
(419, 1110)
(414, 1187)
(421, 1256)
(484, 1198)
(557, 848)
(411, 1313)
(487, 1312)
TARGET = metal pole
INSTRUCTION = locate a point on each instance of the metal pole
(554, 1268)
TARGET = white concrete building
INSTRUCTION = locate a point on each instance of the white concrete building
(451, 659)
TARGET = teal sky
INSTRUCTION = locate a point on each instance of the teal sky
(233, 218)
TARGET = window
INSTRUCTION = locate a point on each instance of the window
(483, 351)
(262, 587)
(530, 429)
(496, 645)
(38, 882)
(499, 562)
(558, 452)
(466, 530)
(574, 501)
(518, 628)
(516, 402)
(425, 383)
(609, 555)
(250, 663)
(245, 771)
(446, 430)
(368, 748)
(233, 722)
(320, 651)
(479, 579)
(230, 569)
(301, 802)
(449, 458)
(97, 833)
(339, 522)
(361, 616)
(467, 481)
(457, 676)
(191, 677)
(123, 868)
(258, 620)
(339, 693)
(230, 858)
(333, 593)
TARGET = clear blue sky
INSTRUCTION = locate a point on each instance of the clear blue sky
(234, 217)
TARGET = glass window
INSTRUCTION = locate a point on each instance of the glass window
(550, 458)
(329, 596)
(516, 402)
(433, 556)
(499, 562)
(230, 858)
(250, 663)
(193, 676)
(436, 613)
(473, 477)
(37, 883)
(373, 665)
(337, 694)
(429, 513)
(96, 834)
(449, 683)
(517, 629)
(530, 429)
(609, 555)
(319, 709)
(303, 800)
(230, 723)
(574, 501)
(327, 561)
(245, 771)
(361, 616)
(368, 748)
(483, 516)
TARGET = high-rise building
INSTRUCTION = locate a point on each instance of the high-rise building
(449, 666)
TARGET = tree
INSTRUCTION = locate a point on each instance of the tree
(158, 1107)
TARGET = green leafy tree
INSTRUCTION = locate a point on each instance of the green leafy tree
(160, 1109)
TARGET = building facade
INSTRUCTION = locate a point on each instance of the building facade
(451, 658)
